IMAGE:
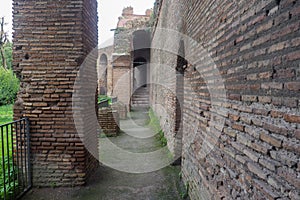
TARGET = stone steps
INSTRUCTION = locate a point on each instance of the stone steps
(140, 98)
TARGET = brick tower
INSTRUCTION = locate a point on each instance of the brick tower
(51, 40)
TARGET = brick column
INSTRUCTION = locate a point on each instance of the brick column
(51, 40)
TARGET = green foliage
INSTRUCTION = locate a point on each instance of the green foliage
(161, 137)
(103, 98)
(184, 194)
(7, 54)
(10, 180)
(9, 86)
(6, 114)
(155, 125)
(154, 121)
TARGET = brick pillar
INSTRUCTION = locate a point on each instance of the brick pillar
(51, 40)
(122, 78)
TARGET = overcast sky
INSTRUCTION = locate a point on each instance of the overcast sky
(108, 13)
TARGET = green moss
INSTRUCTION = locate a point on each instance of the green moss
(104, 98)
(155, 125)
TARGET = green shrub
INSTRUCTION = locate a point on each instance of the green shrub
(10, 180)
(9, 86)
(6, 114)
(154, 121)
(7, 47)
(155, 125)
(103, 98)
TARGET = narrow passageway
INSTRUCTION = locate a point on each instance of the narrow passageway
(111, 184)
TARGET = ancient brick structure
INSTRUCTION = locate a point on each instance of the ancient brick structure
(121, 56)
(109, 121)
(51, 41)
(121, 109)
(226, 89)
(104, 70)
(254, 47)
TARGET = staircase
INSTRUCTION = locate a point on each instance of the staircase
(140, 98)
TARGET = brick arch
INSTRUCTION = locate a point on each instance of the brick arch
(141, 39)
(102, 73)
(103, 59)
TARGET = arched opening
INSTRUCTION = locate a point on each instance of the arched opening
(103, 59)
(141, 56)
(141, 40)
(140, 62)
(102, 74)
(140, 72)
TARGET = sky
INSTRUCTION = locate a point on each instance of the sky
(108, 13)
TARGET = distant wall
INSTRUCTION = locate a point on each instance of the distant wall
(255, 48)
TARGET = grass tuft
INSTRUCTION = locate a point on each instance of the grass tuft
(155, 125)
(6, 114)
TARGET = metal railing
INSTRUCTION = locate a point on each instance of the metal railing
(15, 167)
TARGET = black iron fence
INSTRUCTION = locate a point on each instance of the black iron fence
(15, 168)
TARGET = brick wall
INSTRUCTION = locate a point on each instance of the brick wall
(255, 48)
(105, 71)
(109, 121)
(163, 92)
(121, 75)
(121, 109)
(121, 83)
(51, 40)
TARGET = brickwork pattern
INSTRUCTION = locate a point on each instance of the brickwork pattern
(105, 71)
(109, 121)
(122, 83)
(165, 91)
(122, 79)
(121, 109)
(255, 45)
(51, 40)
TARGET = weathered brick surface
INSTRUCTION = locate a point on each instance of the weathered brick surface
(166, 90)
(121, 109)
(51, 40)
(104, 70)
(109, 121)
(121, 83)
(255, 46)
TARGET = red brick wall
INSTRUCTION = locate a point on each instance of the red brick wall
(255, 46)
(51, 40)
(109, 121)
(121, 76)
(165, 47)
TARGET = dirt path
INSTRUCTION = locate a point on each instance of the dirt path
(111, 184)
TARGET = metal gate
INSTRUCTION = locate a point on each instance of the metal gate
(15, 167)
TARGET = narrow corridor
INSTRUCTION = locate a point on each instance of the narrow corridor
(112, 184)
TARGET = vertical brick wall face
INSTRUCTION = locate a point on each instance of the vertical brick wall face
(164, 91)
(255, 46)
(121, 84)
(121, 75)
(51, 40)
(109, 121)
